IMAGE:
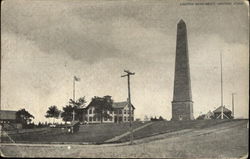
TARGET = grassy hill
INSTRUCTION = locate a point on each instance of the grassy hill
(97, 133)
(102, 132)
(205, 139)
(160, 127)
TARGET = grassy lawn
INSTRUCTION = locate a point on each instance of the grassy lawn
(97, 133)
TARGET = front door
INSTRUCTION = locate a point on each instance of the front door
(115, 119)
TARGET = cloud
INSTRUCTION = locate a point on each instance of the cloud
(82, 39)
(84, 30)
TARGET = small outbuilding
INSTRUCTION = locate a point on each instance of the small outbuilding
(227, 114)
(8, 120)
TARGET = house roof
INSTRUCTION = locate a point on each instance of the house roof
(118, 105)
(219, 109)
(7, 115)
(209, 113)
(95, 102)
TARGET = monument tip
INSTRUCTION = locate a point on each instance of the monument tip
(181, 22)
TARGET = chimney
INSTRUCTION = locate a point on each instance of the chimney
(107, 97)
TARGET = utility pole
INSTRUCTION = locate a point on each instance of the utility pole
(222, 113)
(233, 104)
(129, 103)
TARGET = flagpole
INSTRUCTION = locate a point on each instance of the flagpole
(73, 98)
(222, 113)
(233, 105)
(74, 88)
(74, 93)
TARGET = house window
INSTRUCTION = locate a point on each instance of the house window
(90, 118)
(120, 111)
(125, 111)
(94, 119)
(120, 119)
(111, 118)
(125, 119)
(90, 111)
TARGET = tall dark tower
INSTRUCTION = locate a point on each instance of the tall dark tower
(182, 104)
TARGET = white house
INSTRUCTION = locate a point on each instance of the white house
(118, 114)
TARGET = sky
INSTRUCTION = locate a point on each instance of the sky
(46, 43)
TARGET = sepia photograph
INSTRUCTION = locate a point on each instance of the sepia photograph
(124, 79)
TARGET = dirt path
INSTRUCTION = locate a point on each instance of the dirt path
(127, 133)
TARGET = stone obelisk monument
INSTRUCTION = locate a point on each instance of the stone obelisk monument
(182, 104)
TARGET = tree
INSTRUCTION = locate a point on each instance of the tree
(39, 125)
(23, 117)
(52, 112)
(161, 118)
(77, 107)
(151, 118)
(201, 117)
(67, 114)
(146, 118)
(102, 105)
(155, 118)
(80, 103)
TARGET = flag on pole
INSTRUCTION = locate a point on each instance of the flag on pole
(76, 78)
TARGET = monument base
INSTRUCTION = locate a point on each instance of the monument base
(182, 110)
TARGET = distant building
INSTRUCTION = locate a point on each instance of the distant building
(118, 114)
(7, 116)
(227, 114)
(209, 115)
(8, 119)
